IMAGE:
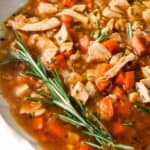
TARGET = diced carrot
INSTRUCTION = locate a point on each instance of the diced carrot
(84, 43)
(118, 129)
(102, 68)
(37, 123)
(90, 4)
(67, 20)
(129, 79)
(123, 108)
(56, 129)
(68, 53)
(60, 60)
(69, 3)
(120, 78)
(84, 147)
(106, 108)
(52, 67)
(111, 45)
(119, 93)
(138, 45)
(73, 33)
(101, 85)
(147, 37)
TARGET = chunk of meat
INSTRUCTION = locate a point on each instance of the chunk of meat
(43, 25)
(143, 92)
(97, 52)
(45, 47)
(146, 15)
(79, 7)
(109, 26)
(44, 8)
(91, 88)
(108, 12)
(62, 35)
(118, 66)
(146, 82)
(32, 108)
(122, 4)
(80, 92)
(77, 16)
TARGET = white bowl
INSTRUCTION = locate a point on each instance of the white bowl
(11, 135)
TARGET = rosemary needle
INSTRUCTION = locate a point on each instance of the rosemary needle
(74, 112)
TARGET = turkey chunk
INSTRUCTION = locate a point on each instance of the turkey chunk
(146, 15)
(77, 16)
(118, 66)
(97, 52)
(143, 92)
(26, 25)
(32, 108)
(45, 9)
(80, 92)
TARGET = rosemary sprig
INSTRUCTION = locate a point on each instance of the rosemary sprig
(74, 112)
(102, 36)
(129, 30)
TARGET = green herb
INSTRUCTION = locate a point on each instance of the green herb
(143, 108)
(129, 31)
(102, 36)
(74, 112)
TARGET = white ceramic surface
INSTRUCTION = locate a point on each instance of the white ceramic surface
(12, 137)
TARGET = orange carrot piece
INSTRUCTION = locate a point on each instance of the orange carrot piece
(68, 53)
(60, 60)
(67, 20)
(147, 37)
(123, 108)
(118, 129)
(101, 85)
(106, 108)
(120, 78)
(37, 123)
(84, 43)
(111, 45)
(129, 79)
(119, 93)
(69, 3)
(56, 129)
(84, 147)
(90, 4)
(102, 68)
(138, 45)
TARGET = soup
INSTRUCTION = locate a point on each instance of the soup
(76, 74)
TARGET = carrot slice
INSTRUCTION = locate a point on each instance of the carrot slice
(119, 93)
(120, 78)
(102, 68)
(111, 45)
(84, 147)
(69, 3)
(37, 123)
(138, 45)
(60, 60)
(89, 4)
(84, 43)
(67, 20)
(118, 129)
(106, 108)
(129, 79)
(101, 85)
